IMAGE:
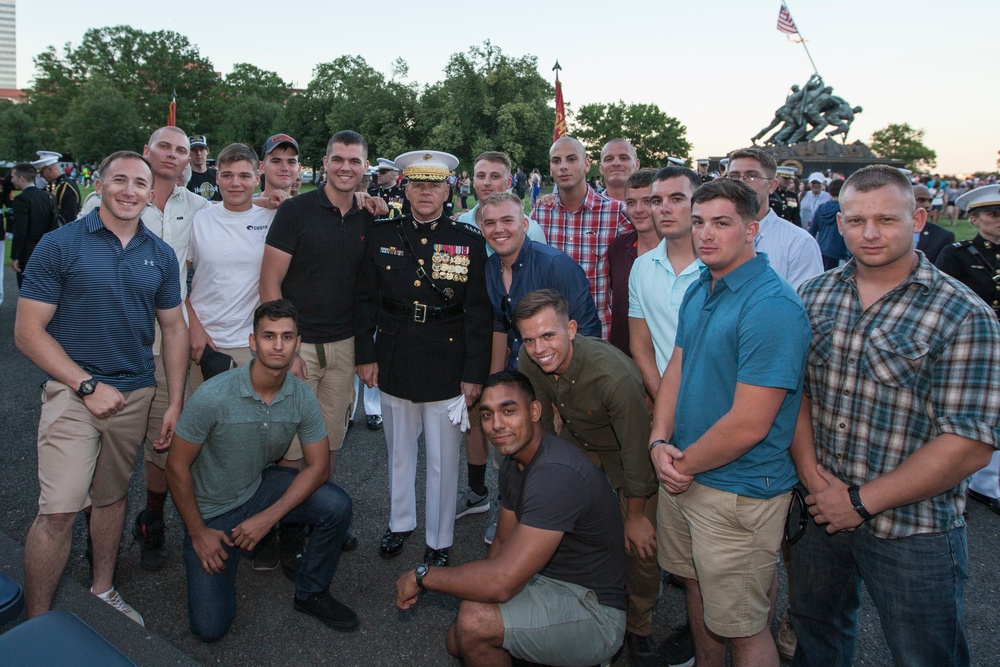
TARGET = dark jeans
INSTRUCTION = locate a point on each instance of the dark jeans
(916, 583)
(212, 597)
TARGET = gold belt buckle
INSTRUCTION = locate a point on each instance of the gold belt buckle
(420, 313)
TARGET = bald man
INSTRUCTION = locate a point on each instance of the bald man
(581, 222)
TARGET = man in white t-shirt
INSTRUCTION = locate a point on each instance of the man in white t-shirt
(226, 251)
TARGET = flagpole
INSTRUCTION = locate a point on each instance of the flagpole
(802, 40)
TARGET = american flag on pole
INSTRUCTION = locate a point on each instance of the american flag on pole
(785, 22)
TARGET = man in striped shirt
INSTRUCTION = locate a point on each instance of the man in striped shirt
(581, 222)
(86, 315)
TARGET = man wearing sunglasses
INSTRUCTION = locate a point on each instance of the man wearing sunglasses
(791, 251)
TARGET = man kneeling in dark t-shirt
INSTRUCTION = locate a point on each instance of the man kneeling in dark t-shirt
(552, 588)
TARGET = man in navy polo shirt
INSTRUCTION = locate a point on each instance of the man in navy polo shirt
(100, 371)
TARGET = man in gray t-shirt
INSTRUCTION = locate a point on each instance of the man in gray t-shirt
(552, 588)
(228, 493)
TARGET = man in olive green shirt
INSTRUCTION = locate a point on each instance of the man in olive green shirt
(598, 393)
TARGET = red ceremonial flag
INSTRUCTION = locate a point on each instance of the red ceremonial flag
(785, 22)
(172, 114)
(560, 129)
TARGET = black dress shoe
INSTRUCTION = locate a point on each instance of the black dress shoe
(374, 422)
(436, 557)
(992, 503)
(350, 540)
(327, 609)
(393, 543)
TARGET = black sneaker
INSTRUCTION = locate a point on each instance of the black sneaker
(292, 545)
(266, 556)
(350, 540)
(677, 650)
(641, 651)
(327, 609)
(148, 531)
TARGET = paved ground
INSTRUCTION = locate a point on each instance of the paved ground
(267, 630)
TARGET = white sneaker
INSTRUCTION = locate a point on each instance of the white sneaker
(114, 599)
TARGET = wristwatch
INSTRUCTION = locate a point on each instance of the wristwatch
(854, 493)
(87, 387)
(420, 572)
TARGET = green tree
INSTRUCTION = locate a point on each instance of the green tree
(904, 143)
(99, 122)
(146, 68)
(248, 120)
(654, 134)
(348, 94)
(489, 101)
(19, 138)
(248, 80)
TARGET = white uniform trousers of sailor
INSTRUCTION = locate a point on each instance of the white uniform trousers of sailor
(987, 480)
(403, 421)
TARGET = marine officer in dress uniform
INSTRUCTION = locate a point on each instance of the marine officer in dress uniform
(62, 187)
(784, 199)
(703, 174)
(423, 287)
(386, 187)
(977, 264)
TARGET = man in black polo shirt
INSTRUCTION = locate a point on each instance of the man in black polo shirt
(313, 257)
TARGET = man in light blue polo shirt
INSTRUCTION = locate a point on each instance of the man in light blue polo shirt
(85, 316)
(729, 403)
(662, 276)
(490, 174)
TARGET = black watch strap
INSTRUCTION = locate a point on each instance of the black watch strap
(854, 493)
(419, 574)
(86, 387)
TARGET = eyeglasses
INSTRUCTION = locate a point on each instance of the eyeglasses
(798, 517)
(750, 177)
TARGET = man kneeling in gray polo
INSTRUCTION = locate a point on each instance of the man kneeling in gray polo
(552, 588)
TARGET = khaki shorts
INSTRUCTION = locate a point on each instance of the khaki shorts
(729, 544)
(333, 385)
(84, 460)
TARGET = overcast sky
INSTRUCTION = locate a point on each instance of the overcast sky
(722, 68)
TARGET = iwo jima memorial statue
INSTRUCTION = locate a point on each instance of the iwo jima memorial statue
(808, 112)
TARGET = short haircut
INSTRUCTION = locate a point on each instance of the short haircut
(535, 302)
(236, 153)
(348, 138)
(836, 185)
(666, 173)
(275, 310)
(736, 191)
(876, 176)
(165, 128)
(498, 198)
(512, 378)
(766, 160)
(619, 140)
(643, 178)
(123, 155)
(25, 170)
(580, 148)
(493, 156)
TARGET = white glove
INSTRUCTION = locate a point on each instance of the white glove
(458, 414)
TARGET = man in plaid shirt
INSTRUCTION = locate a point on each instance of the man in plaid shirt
(901, 405)
(581, 222)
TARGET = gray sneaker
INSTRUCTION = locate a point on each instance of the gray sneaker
(491, 527)
(470, 502)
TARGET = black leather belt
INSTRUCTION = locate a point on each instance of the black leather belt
(419, 312)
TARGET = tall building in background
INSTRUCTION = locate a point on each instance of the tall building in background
(8, 44)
